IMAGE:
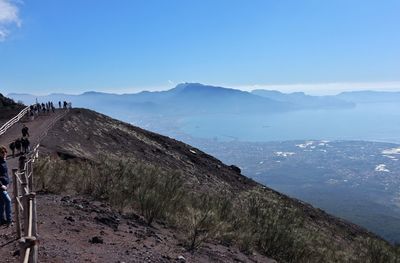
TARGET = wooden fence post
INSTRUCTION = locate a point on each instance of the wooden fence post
(23, 244)
(30, 176)
(25, 202)
(24, 184)
(16, 205)
(33, 228)
(22, 249)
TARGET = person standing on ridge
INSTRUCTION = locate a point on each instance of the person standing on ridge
(5, 200)
(25, 144)
(25, 131)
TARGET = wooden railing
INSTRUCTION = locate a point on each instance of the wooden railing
(24, 195)
(11, 122)
(25, 201)
(25, 208)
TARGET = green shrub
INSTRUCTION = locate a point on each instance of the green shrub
(123, 183)
(377, 251)
(52, 176)
(202, 219)
(159, 193)
(271, 228)
(249, 220)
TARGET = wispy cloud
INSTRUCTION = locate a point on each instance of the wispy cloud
(9, 16)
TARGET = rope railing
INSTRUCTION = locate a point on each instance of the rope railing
(14, 120)
(25, 208)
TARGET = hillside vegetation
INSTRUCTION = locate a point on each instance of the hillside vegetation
(170, 182)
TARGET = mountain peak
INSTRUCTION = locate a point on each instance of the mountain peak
(88, 93)
(194, 86)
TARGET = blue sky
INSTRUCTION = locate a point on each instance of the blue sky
(317, 46)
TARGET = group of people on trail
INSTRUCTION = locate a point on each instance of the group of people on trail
(5, 200)
(37, 108)
(21, 145)
(66, 105)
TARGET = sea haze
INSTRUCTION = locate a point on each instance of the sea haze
(366, 121)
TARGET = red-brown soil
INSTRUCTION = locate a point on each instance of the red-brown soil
(75, 229)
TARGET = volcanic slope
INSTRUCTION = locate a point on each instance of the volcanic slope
(86, 135)
(8, 109)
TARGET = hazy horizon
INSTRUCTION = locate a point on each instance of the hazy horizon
(309, 89)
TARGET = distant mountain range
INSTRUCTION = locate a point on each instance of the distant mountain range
(370, 96)
(305, 101)
(195, 98)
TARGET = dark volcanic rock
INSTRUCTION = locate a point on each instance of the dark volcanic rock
(110, 221)
(96, 240)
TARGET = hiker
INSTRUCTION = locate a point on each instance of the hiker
(25, 144)
(5, 200)
(35, 110)
(59, 104)
(25, 131)
(31, 112)
(12, 148)
(18, 145)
